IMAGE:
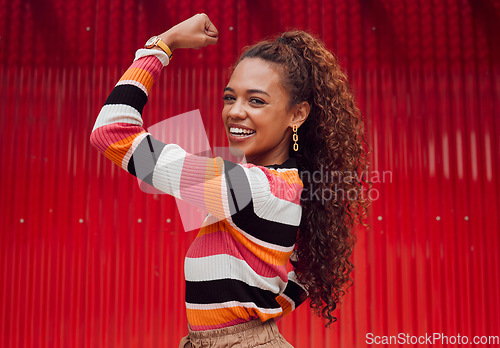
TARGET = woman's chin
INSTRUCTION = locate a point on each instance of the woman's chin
(237, 152)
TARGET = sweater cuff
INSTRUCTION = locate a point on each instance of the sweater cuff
(143, 52)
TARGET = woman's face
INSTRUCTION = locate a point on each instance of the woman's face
(255, 113)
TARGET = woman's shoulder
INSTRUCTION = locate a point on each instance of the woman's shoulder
(282, 180)
(286, 173)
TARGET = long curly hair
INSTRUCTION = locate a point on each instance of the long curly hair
(332, 160)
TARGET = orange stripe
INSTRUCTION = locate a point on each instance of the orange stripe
(212, 224)
(139, 75)
(223, 315)
(213, 187)
(215, 316)
(118, 150)
(290, 176)
(271, 256)
(285, 304)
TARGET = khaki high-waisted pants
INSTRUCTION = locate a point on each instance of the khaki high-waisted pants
(251, 334)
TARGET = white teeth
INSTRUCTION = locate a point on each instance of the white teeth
(240, 130)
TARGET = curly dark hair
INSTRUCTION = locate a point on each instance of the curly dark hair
(332, 143)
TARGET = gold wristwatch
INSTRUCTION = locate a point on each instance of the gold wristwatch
(156, 41)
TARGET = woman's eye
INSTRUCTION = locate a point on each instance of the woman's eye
(227, 97)
(257, 101)
(254, 101)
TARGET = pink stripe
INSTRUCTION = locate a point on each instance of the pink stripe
(221, 242)
(220, 326)
(105, 136)
(292, 194)
(192, 185)
(283, 190)
(279, 187)
(149, 63)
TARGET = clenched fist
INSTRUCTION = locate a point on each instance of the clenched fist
(195, 32)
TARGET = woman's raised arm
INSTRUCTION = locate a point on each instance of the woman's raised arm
(238, 192)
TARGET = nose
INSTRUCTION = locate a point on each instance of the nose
(237, 110)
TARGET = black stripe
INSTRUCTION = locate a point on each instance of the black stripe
(131, 166)
(243, 214)
(238, 185)
(224, 290)
(268, 231)
(144, 158)
(291, 162)
(295, 292)
(129, 95)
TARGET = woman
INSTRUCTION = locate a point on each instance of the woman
(288, 109)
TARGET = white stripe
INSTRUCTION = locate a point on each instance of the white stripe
(254, 191)
(266, 205)
(263, 199)
(160, 54)
(213, 306)
(134, 83)
(167, 178)
(225, 201)
(132, 148)
(280, 210)
(285, 169)
(225, 266)
(113, 113)
(259, 185)
(168, 170)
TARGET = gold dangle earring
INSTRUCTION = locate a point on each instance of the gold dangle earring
(295, 138)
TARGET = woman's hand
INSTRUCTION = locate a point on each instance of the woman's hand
(195, 32)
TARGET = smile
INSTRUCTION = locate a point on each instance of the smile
(240, 131)
(240, 134)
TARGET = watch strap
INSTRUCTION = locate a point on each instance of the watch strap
(164, 47)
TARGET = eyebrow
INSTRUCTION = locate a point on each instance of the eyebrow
(249, 91)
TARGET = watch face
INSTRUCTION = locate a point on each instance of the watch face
(150, 42)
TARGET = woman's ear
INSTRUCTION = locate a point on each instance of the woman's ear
(300, 114)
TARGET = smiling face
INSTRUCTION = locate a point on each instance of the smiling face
(256, 115)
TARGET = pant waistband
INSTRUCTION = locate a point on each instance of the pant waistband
(238, 328)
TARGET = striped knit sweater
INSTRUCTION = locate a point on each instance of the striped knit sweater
(235, 269)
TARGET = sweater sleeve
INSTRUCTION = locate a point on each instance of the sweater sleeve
(221, 187)
(293, 295)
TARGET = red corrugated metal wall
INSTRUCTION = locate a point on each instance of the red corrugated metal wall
(89, 260)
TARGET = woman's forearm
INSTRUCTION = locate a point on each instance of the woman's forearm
(119, 122)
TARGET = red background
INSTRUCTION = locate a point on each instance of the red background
(89, 260)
